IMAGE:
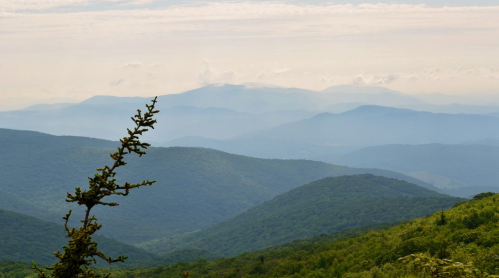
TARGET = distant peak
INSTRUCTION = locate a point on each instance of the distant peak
(324, 115)
(364, 110)
(375, 109)
(246, 85)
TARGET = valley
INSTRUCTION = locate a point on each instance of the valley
(297, 175)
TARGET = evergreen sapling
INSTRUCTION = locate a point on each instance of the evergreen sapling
(81, 251)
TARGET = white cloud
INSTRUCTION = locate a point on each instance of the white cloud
(273, 73)
(456, 73)
(221, 17)
(138, 2)
(280, 71)
(261, 75)
(116, 82)
(274, 42)
(205, 76)
(249, 9)
(14, 5)
(438, 74)
(157, 65)
(212, 76)
(206, 62)
(132, 65)
(228, 76)
(152, 74)
(376, 79)
(40, 5)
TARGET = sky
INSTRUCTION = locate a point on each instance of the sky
(74, 49)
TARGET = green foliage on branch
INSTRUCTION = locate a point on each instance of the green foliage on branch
(82, 251)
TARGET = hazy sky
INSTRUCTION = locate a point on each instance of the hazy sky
(80, 48)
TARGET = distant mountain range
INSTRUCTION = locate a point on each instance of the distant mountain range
(212, 111)
(196, 187)
(321, 207)
(9, 104)
(460, 170)
(363, 126)
(374, 125)
(220, 112)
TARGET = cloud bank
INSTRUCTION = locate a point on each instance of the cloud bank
(412, 48)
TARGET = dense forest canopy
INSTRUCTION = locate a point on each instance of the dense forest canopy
(321, 207)
(196, 187)
(470, 234)
(24, 239)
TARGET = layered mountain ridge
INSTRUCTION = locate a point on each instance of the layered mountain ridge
(195, 187)
(324, 206)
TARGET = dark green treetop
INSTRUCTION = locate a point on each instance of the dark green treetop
(483, 195)
(81, 251)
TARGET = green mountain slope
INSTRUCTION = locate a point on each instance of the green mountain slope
(11, 202)
(195, 187)
(24, 239)
(461, 170)
(469, 234)
(321, 207)
(24, 141)
(179, 258)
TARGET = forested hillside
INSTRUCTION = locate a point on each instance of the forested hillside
(468, 233)
(460, 170)
(24, 141)
(20, 269)
(9, 201)
(195, 187)
(25, 239)
(321, 207)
